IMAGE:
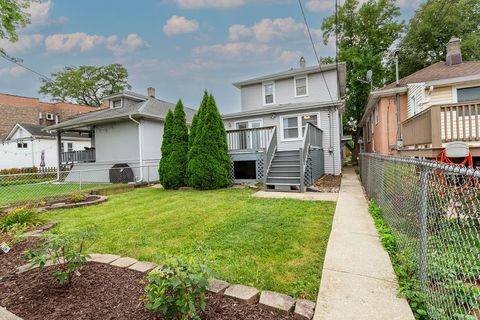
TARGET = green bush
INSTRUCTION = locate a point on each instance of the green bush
(68, 251)
(175, 162)
(167, 142)
(209, 163)
(18, 219)
(176, 290)
(78, 197)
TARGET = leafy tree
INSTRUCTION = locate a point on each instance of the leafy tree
(12, 17)
(167, 142)
(86, 84)
(430, 29)
(176, 162)
(365, 35)
(209, 162)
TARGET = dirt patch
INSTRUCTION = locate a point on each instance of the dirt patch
(327, 183)
(9, 262)
(102, 292)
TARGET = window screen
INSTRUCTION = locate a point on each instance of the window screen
(290, 128)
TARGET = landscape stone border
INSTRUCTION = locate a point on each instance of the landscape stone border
(273, 301)
(62, 205)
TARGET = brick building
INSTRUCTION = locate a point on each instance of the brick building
(16, 109)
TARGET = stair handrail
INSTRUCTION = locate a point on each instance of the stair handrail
(270, 149)
(312, 138)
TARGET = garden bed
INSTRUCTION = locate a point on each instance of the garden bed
(327, 183)
(71, 203)
(102, 292)
(13, 259)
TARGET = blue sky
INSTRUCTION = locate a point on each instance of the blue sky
(180, 47)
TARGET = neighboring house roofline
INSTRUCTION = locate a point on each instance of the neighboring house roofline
(281, 109)
(373, 99)
(37, 132)
(452, 81)
(288, 74)
(126, 93)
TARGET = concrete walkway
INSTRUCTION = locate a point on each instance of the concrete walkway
(358, 281)
(310, 196)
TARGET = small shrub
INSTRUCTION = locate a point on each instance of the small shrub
(18, 219)
(68, 251)
(176, 290)
(78, 197)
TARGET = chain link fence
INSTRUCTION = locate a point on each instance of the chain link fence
(433, 210)
(30, 188)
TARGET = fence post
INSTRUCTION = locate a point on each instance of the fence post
(423, 225)
(80, 178)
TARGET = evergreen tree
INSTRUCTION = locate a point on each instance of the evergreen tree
(167, 141)
(209, 162)
(196, 124)
(177, 157)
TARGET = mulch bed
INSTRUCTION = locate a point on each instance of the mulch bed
(9, 262)
(327, 183)
(102, 292)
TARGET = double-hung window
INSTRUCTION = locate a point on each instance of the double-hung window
(268, 93)
(468, 94)
(301, 86)
(70, 147)
(293, 127)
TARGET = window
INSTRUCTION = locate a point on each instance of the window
(50, 116)
(413, 104)
(293, 127)
(117, 103)
(22, 145)
(376, 115)
(468, 94)
(70, 147)
(301, 87)
(268, 93)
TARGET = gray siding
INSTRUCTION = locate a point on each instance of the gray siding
(328, 122)
(117, 142)
(252, 98)
(152, 140)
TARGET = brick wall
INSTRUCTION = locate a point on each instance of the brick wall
(16, 109)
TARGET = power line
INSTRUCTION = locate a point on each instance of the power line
(315, 49)
(4, 56)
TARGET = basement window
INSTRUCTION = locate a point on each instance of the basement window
(245, 170)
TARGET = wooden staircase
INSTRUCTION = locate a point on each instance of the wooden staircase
(284, 173)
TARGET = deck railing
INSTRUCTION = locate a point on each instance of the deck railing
(270, 150)
(78, 156)
(443, 123)
(249, 139)
(312, 139)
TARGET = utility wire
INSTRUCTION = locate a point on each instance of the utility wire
(4, 56)
(315, 49)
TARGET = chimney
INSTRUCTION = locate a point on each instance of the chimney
(454, 53)
(302, 62)
(151, 92)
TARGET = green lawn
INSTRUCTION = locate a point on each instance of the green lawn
(26, 192)
(274, 244)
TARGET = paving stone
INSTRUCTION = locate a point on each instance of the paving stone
(33, 233)
(276, 302)
(304, 309)
(143, 266)
(28, 266)
(242, 293)
(217, 286)
(7, 315)
(48, 226)
(103, 258)
(124, 262)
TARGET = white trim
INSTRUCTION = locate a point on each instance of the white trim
(295, 86)
(263, 92)
(248, 122)
(299, 124)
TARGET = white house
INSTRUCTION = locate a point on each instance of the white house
(127, 134)
(27, 145)
(289, 129)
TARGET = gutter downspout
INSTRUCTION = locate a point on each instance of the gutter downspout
(399, 133)
(140, 148)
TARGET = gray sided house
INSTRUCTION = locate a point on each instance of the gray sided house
(289, 130)
(129, 131)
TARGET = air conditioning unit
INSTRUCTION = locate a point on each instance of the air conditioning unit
(50, 116)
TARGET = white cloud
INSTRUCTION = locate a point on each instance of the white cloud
(231, 50)
(200, 4)
(61, 43)
(25, 43)
(40, 12)
(179, 25)
(129, 45)
(267, 30)
(12, 71)
(320, 5)
(289, 56)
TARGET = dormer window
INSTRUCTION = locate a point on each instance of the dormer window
(117, 103)
(268, 93)
(301, 86)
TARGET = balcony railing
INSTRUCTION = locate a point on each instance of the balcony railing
(443, 123)
(78, 156)
(252, 139)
